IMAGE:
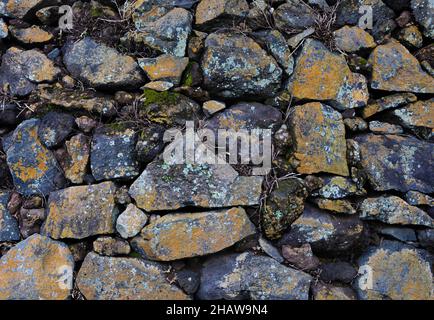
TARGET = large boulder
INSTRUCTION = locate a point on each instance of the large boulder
(397, 163)
(100, 66)
(247, 276)
(81, 212)
(34, 168)
(235, 66)
(37, 268)
(322, 75)
(185, 235)
(394, 271)
(110, 278)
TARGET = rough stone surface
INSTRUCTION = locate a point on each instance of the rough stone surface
(113, 154)
(301, 257)
(416, 115)
(419, 199)
(395, 69)
(164, 68)
(78, 149)
(323, 291)
(318, 135)
(322, 75)
(235, 66)
(9, 230)
(31, 35)
(210, 13)
(236, 276)
(108, 246)
(338, 188)
(294, 15)
(384, 128)
(34, 168)
(394, 271)
(80, 212)
(116, 278)
(338, 271)
(394, 210)
(397, 163)
(423, 11)
(131, 221)
(184, 235)
(21, 71)
(100, 66)
(388, 102)
(18, 9)
(55, 128)
(37, 268)
(352, 39)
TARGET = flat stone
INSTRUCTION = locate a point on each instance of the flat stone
(338, 188)
(210, 107)
(355, 124)
(419, 199)
(323, 291)
(338, 271)
(270, 249)
(394, 210)
(327, 233)
(54, 128)
(78, 149)
(385, 128)
(185, 235)
(164, 68)
(325, 76)
(113, 153)
(81, 212)
(31, 35)
(399, 233)
(235, 66)
(37, 268)
(22, 70)
(394, 271)
(294, 41)
(338, 206)
(353, 39)
(318, 133)
(300, 257)
(160, 86)
(388, 102)
(9, 230)
(397, 163)
(34, 168)
(168, 34)
(86, 100)
(283, 206)
(18, 9)
(395, 69)
(294, 15)
(108, 246)
(246, 276)
(211, 13)
(131, 221)
(423, 11)
(163, 186)
(100, 66)
(116, 278)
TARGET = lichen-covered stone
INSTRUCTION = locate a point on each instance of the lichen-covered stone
(34, 168)
(163, 186)
(397, 163)
(185, 235)
(30, 221)
(423, 11)
(318, 135)
(37, 268)
(86, 100)
(385, 128)
(246, 276)
(164, 68)
(3, 29)
(322, 75)
(394, 210)
(113, 153)
(81, 212)
(210, 13)
(131, 221)
(17, 8)
(353, 39)
(323, 291)
(55, 128)
(338, 206)
(168, 34)
(159, 85)
(326, 233)
(419, 199)
(411, 37)
(212, 106)
(21, 71)
(294, 15)
(100, 66)
(300, 257)
(235, 66)
(394, 271)
(276, 44)
(149, 143)
(355, 124)
(116, 278)
(395, 69)
(388, 102)
(108, 246)
(31, 35)
(78, 149)
(283, 206)
(338, 188)
(9, 230)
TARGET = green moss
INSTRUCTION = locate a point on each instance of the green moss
(160, 98)
(187, 77)
(96, 11)
(117, 126)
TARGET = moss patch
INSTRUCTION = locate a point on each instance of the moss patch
(160, 98)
